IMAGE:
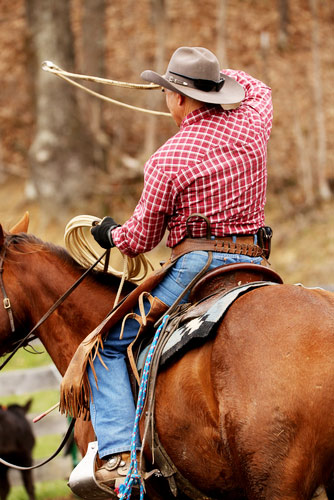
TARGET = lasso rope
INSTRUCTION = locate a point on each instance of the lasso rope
(80, 244)
(133, 477)
(50, 67)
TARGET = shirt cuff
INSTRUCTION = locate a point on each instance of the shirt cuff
(110, 235)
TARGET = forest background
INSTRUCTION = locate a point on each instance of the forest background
(65, 153)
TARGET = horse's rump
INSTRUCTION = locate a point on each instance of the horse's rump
(254, 404)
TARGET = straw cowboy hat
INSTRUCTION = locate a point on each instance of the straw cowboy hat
(195, 72)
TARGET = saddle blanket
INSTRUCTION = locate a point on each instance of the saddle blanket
(201, 327)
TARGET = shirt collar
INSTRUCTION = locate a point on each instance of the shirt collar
(199, 114)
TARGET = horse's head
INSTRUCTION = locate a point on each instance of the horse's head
(8, 332)
(35, 274)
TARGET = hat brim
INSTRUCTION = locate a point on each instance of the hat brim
(231, 92)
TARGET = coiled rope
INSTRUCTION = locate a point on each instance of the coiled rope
(82, 247)
(50, 67)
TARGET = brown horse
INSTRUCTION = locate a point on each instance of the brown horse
(248, 415)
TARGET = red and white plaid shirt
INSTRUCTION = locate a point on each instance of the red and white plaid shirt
(215, 165)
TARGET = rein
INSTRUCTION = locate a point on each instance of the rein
(7, 306)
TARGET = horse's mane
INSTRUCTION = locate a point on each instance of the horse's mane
(28, 243)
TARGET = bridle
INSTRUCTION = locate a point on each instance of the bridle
(7, 304)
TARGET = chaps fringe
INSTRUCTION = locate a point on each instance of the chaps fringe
(75, 390)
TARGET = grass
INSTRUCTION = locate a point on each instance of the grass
(25, 360)
(44, 491)
(41, 401)
(45, 445)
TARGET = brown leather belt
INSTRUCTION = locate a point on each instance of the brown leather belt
(243, 245)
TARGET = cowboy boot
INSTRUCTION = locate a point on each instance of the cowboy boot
(114, 470)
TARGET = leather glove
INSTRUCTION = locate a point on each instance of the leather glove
(102, 232)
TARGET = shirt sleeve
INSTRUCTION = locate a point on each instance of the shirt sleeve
(257, 96)
(146, 227)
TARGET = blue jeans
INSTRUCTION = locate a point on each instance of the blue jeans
(112, 409)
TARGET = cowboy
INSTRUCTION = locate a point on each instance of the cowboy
(215, 166)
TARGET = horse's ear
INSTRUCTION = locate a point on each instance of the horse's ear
(22, 225)
(2, 237)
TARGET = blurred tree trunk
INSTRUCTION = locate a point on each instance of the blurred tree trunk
(92, 63)
(304, 162)
(153, 97)
(2, 168)
(61, 156)
(265, 48)
(283, 9)
(320, 127)
(221, 24)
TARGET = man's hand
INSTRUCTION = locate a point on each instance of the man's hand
(102, 232)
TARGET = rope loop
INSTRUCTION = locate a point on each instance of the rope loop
(53, 68)
(82, 247)
(50, 67)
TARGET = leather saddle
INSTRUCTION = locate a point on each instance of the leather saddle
(229, 276)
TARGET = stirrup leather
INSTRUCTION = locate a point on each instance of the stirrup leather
(157, 309)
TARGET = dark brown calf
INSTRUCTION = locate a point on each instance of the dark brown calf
(16, 445)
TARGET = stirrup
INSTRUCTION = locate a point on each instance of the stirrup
(82, 479)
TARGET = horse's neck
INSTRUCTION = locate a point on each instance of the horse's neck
(79, 314)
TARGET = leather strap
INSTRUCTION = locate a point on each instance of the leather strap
(243, 245)
(6, 302)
